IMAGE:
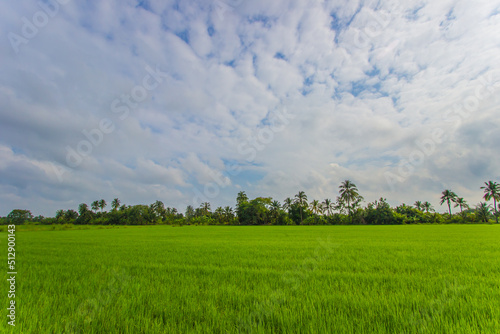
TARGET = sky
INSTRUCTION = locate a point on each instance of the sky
(194, 101)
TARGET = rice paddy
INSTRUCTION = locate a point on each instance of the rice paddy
(258, 279)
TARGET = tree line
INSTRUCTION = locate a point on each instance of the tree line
(297, 210)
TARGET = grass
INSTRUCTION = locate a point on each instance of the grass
(267, 279)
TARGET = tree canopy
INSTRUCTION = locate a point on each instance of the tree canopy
(296, 210)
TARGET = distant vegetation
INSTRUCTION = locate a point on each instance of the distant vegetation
(345, 210)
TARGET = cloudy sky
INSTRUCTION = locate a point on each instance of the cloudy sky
(192, 101)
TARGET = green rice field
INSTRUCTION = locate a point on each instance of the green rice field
(257, 279)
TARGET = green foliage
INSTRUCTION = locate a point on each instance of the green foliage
(311, 220)
(347, 210)
(203, 220)
(349, 198)
(483, 212)
(298, 213)
(492, 191)
(255, 212)
(448, 196)
(379, 213)
(19, 216)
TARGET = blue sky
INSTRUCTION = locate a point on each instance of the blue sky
(186, 101)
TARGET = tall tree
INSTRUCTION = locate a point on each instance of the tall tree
(83, 208)
(492, 190)
(448, 196)
(255, 212)
(316, 207)
(349, 195)
(419, 205)
(70, 215)
(102, 204)
(219, 214)
(327, 206)
(95, 206)
(483, 211)
(228, 214)
(461, 203)
(428, 206)
(241, 198)
(115, 204)
(85, 215)
(301, 201)
(158, 210)
(60, 214)
(190, 213)
(18, 216)
(274, 212)
(287, 204)
(205, 207)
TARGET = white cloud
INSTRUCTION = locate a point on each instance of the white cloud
(366, 83)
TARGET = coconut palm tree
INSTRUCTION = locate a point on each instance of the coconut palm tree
(428, 206)
(448, 196)
(349, 194)
(83, 208)
(241, 199)
(228, 214)
(95, 206)
(419, 205)
(102, 204)
(115, 204)
(287, 204)
(274, 209)
(275, 206)
(492, 190)
(483, 211)
(219, 214)
(190, 213)
(205, 207)
(301, 200)
(327, 206)
(462, 204)
(159, 210)
(316, 207)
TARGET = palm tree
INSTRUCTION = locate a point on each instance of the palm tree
(219, 213)
(461, 203)
(115, 204)
(95, 206)
(419, 205)
(102, 204)
(349, 194)
(275, 210)
(189, 212)
(205, 207)
(60, 214)
(316, 207)
(241, 199)
(287, 204)
(228, 214)
(448, 196)
(428, 206)
(327, 206)
(275, 206)
(83, 208)
(159, 210)
(492, 190)
(483, 211)
(301, 200)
